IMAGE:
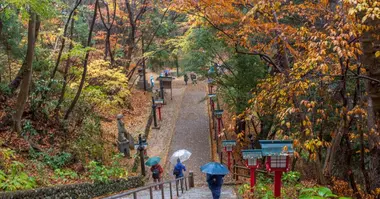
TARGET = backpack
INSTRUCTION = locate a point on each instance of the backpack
(156, 173)
(176, 172)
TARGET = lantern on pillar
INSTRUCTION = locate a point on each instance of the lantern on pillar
(212, 103)
(218, 114)
(278, 154)
(228, 147)
(210, 81)
(251, 157)
(159, 103)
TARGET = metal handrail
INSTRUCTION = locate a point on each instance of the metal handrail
(177, 181)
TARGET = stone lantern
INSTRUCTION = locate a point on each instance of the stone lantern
(278, 154)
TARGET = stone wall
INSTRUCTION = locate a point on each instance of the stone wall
(82, 191)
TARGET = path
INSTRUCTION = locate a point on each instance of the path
(185, 125)
(192, 131)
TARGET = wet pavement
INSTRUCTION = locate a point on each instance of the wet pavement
(192, 131)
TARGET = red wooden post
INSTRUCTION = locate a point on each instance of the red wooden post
(229, 160)
(277, 183)
(253, 177)
(159, 113)
(219, 125)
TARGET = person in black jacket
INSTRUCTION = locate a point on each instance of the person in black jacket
(215, 183)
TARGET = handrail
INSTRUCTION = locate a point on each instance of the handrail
(190, 178)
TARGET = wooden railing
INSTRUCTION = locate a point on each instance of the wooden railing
(188, 181)
(243, 171)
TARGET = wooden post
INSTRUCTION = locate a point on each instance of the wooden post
(151, 192)
(171, 191)
(185, 184)
(253, 177)
(162, 191)
(191, 179)
(277, 183)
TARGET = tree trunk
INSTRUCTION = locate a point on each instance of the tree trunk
(370, 45)
(20, 74)
(68, 61)
(84, 64)
(63, 41)
(27, 75)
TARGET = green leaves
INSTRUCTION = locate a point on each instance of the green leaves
(318, 193)
(43, 8)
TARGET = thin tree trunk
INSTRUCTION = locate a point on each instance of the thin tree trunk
(68, 61)
(63, 41)
(27, 75)
(84, 65)
(20, 74)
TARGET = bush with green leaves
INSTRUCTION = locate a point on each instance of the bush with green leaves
(318, 193)
(101, 173)
(12, 175)
(65, 174)
(291, 177)
(56, 161)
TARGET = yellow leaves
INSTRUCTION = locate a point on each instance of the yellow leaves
(288, 125)
(377, 54)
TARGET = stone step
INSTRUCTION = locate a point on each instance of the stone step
(228, 192)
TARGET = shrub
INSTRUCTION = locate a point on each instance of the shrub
(12, 176)
(102, 173)
(65, 174)
(318, 193)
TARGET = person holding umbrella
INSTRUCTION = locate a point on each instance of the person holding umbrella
(178, 169)
(176, 159)
(215, 174)
(156, 169)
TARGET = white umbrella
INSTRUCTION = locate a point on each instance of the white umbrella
(182, 154)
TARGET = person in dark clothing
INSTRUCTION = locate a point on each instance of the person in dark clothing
(186, 78)
(156, 173)
(215, 183)
(178, 169)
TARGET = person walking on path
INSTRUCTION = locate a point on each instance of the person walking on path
(215, 183)
(178, 169)
(156, 173)
(186, 78)
(193, 78)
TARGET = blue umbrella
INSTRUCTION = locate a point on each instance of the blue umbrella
(153, 161)
(214, 168)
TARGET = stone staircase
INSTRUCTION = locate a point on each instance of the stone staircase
(199, 192)
(203, 192)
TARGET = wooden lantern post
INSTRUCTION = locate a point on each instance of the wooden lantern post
(159, 103)
(251, 156)
(277, 152)
(218, 114)
(228, 147)
(212, 103)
